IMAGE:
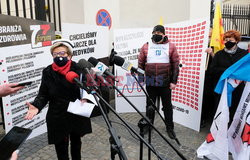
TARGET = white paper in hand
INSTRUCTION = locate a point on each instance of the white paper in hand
(82, 109)
(89, 97)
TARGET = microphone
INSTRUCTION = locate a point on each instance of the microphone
(83, 64)
(119, 61)
(73, 77)
(86, 67)
(111, 57)
(100, 66)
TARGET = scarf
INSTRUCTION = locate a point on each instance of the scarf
(62, 70)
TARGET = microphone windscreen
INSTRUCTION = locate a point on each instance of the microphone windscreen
(93, 61)
(118, 60)
(70, 76)
(82, 63)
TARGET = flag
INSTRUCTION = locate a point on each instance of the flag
(237, 138)
(235, 73)
(218, 30)
(239, 131)
(216, 145)
(161, 21)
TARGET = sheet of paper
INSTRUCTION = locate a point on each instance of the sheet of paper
(90, 97)
(79, 108)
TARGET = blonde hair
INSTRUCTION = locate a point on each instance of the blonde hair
(62, 43)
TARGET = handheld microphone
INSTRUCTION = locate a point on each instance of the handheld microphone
(73, 77)
(119, 61)
(100, 66)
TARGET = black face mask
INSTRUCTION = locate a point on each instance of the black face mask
(230, 44)
(157, 38)
(61, 61)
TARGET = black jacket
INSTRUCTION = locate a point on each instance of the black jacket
(223, 60)
(58, 92)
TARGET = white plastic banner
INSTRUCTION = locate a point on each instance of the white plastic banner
(88, 40)
(127, 43)
(25, 52)
(191, 39)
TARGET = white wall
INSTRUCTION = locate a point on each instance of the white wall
(91, 7)
(147, 13)
(134, 13)
(72, 11)
(200, 9)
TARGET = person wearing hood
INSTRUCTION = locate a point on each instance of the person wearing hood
(160, 60)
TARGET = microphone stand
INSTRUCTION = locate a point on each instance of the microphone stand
(153, 104)
(112, 130)
(115, 143)
(148, 121)
(129, 127)
(141, 125)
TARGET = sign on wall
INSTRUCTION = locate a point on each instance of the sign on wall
(25, 52)
(88, 40)
(103, 18)
(127, 43)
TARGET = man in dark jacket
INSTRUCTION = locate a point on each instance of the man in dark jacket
(58, 92)
(160, 61)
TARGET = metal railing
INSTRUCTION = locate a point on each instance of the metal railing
(234, 16)
(45, 10)
(237, 17)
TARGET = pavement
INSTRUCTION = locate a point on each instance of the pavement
(96, 146)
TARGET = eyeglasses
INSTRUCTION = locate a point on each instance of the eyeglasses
(62, 53)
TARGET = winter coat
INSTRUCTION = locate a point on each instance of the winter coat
(223, 60)
(58, 92)
(164, 73)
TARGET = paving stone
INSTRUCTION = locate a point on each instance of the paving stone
(96, 146)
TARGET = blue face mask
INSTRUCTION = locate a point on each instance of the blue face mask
(61, 61)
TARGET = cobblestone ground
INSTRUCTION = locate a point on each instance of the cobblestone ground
(96, 146)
